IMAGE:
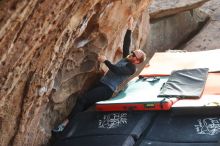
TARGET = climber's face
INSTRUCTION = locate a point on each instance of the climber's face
(133, 58)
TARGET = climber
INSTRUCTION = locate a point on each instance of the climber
(106, 86)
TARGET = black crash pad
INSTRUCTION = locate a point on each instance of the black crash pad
(154, 143)
(106, 140)
(202, 110)
(186, 83)
(197, 130)
(108, 123)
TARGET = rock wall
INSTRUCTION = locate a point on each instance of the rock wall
(173, 31)
(173, 23)
(163, 8)
(208, 37)
(48, 52)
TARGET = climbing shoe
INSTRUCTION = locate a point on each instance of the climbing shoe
(59, 128)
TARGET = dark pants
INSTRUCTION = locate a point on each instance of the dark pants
(98, 93)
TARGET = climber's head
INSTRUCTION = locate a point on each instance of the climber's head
(137, 56)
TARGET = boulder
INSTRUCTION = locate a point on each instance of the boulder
(208, 37)
(173, 23)
(161, 8)
(48, 52)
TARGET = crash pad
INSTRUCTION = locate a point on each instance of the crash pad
(192, 129)
(108, 123)
(140, 94)
(210, 98)
(212, 85)
(204, 101)
(163, 63)
(98, 140)
(156, 143)
(186, 83)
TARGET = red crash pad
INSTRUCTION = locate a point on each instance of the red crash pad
(163, 63)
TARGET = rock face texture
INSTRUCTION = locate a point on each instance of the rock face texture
(161, 8)
(173, 22)
(208, 38)
(48, 51)
(169, 32)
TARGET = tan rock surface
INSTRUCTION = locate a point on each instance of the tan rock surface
(173, 22)
(48, 51)
(162, 8)
(208, 38)
(169, 32)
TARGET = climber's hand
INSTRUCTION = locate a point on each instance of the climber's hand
(101, 58)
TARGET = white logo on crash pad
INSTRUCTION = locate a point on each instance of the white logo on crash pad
(113, 120)
(210, 126)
